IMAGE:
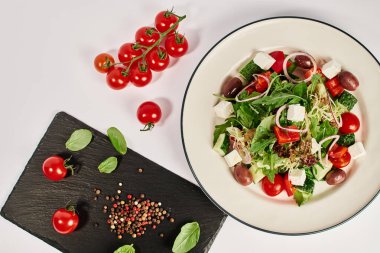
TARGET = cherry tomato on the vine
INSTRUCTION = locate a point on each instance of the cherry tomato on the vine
(128, 51)
(147, 36)
(158, 59)
(140, 75)
(55, 168)
(176, 45)
(102, 62)
(350, 123)
(164, 20)
(65, 220)
(116, 80)
(275, 188)
(149, 113)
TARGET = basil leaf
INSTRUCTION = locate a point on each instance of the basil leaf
(117, 139)
(108, 165)
(79, 139)
(187, 238)
(125, 249)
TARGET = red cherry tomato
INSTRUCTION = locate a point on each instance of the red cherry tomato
(261, 84)
(342, 161)
(164, 20)
(158, 59)
(55, 168)
(140, 75)
(350, 123)
(147, 36)
(116, 80)
(288, 185)
(149, 113)
(65, 220)
(128, 51)
(337, 151)
(275, 188)
(101, 61)
(176, 45)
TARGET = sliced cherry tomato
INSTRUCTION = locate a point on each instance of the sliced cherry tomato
(65, 220)
(158, 59)
(149, 113)
(342, 161)
(350, 123)
(176, 45)
(102, 62)
(308, 73)
(261, 84)
(164, 20)
(55, 168)
(147, 36)
(116, 80)
(334, 87)
(275, 188)
(128, 51)
(250, 89)
(337, 151)
(279, 56)
(289, 188)
(284, 136)
(140, 75)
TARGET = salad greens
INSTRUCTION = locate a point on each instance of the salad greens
(252, 128)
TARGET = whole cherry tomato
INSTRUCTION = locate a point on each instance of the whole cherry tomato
(337, 151)
(65, 220)
(147, 36)
(158, 59)
(342, 161)
(116, 80)
(350, 123)
(176, 45)
(261, 84)
(164, 20)
(149, 113)
(128, 51)
(140, 75)
(55, 168)
(275, 188)
(102, 62)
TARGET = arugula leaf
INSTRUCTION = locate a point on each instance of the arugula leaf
(244, 114)
(79, 139)
(315, 80)
(264, 128)
(117, 139)
(269, 164)
(301, 197)
(300, 90)
(219, 129)
(260, 145)
(125, 249)
(277, 100)
(325, 130)
(187, 238)
(108, 165)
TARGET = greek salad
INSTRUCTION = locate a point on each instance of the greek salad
(288, 123)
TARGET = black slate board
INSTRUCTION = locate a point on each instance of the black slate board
(34, 198)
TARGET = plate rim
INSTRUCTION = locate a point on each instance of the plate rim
(183, 141)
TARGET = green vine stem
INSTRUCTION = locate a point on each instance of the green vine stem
(148, 49)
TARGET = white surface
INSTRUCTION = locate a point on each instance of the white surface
(47, 48)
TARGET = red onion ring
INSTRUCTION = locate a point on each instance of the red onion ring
(286, 69)
(338, 122)
(278, 115)
(335, 137)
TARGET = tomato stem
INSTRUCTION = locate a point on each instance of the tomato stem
(148, 49)
(148, 127)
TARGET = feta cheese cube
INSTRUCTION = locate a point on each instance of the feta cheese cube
(356, 150)
(297, 176)
(224, 109)
(331, 69)
(264, 60)
(296, 112)
(314, 146)
(233, 158)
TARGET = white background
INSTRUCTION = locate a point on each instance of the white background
(47, 49)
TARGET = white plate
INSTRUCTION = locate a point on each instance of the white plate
(329, 206)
